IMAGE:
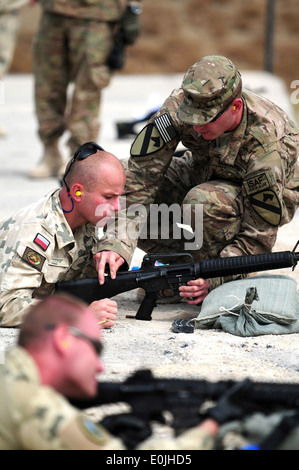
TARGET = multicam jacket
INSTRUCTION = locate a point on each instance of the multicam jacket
(102, 10)
(260, 156)
(38, 249)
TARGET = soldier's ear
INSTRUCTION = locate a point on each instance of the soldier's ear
(61, 338)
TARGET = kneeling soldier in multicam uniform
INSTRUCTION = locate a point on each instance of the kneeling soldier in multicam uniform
(241, 167)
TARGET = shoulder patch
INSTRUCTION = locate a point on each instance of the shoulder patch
(153, 137)
(92, 431)
(258, 182)
(33, 258)
(267, 205)
(41, 241)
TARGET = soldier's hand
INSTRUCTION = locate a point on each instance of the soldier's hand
(106, 311)
(195, 291)
(232, 404)
(114, 260)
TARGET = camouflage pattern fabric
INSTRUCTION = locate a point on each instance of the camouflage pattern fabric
(72, 44)
(38, 249)
(80, 60)
(209, 86)
(11, 5)
(258, 159)
(9, 25)
(35, 417)
(99, 10)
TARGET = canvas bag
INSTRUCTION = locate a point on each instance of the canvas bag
(272, 306)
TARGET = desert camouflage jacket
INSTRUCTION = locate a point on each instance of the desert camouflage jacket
(38, 249)
(36, 417)
(11, 5)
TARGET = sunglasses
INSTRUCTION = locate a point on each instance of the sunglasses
(95, 344)
(221, 112)
(84, 151)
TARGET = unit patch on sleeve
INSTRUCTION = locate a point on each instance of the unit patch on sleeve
(153, 137)
(261, 191)
(33, 258)
(267, 205)
(41, 241)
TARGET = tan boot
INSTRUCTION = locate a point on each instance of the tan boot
(50, 164)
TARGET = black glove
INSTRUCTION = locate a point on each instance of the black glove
(129, 428)
(232, 405)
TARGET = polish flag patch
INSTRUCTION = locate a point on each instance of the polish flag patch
(41, 241)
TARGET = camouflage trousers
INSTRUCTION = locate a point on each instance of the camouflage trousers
(221, 205)
(9, 25)
(69, 63)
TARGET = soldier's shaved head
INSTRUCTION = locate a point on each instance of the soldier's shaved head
(88, 172)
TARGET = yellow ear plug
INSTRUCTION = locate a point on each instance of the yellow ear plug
(78, 193)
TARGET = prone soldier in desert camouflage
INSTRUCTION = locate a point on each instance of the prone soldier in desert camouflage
(240, 165)
(57, 237)
(58, 356)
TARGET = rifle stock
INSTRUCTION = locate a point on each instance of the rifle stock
(154, 278)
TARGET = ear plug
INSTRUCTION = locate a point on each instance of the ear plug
(78, 193)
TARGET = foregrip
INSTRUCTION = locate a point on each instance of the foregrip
(221, 267)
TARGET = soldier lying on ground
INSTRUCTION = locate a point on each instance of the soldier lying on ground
(55, 238)
(57, 356)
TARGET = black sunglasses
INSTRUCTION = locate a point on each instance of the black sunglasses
(96, 345)
(221, 112)
(84, 151)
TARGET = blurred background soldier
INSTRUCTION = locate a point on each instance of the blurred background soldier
(9, 25)
(80, 43)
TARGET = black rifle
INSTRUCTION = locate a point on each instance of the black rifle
(154, 278)
(181, 400)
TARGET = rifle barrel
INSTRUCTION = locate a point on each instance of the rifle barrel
(220, 267)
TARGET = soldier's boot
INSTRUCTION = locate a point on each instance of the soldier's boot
(50, 165)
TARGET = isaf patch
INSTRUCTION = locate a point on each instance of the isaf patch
(267, 205)
(261, 191)
(153, 137)
(259, 182)
(35, 259)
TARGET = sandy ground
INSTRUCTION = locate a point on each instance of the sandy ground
(204, 354)
(133, 344)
